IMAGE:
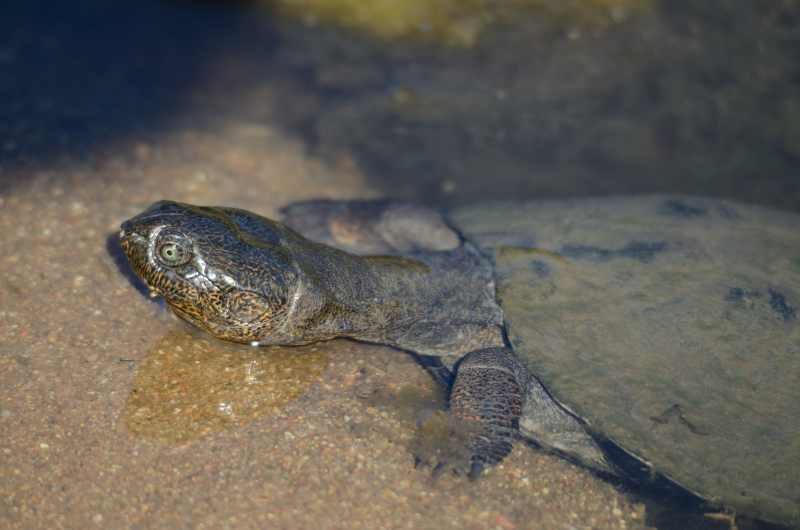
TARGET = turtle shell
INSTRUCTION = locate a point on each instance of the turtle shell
(671, 325)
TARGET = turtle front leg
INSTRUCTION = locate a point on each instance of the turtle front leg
(496, 397)
(488, 395)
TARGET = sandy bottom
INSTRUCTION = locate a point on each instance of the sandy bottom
(115, 416)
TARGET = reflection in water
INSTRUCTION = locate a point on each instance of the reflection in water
(191, 385)
(458, 23)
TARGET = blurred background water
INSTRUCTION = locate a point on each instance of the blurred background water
(433, 100)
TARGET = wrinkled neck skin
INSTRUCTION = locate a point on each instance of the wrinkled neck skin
(339, 294)
(441, 305)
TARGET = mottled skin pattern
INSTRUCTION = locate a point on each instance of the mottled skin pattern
(376, 271)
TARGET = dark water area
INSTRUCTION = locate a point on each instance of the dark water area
(681, 97)
(107, 107)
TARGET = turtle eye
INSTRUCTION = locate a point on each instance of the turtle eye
(173, 253)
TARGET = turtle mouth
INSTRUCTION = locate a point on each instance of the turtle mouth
(186, 317)
(134, 246)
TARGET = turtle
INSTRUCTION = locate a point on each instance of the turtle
(665, 326)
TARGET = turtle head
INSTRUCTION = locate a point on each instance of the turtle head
(225, 270)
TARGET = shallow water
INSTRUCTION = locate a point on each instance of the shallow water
(116, 417)
(189, 385)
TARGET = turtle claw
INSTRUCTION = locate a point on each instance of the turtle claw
(476, 470)
(448, 444)
(437, 470)
(471, 468)
(442, 443)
